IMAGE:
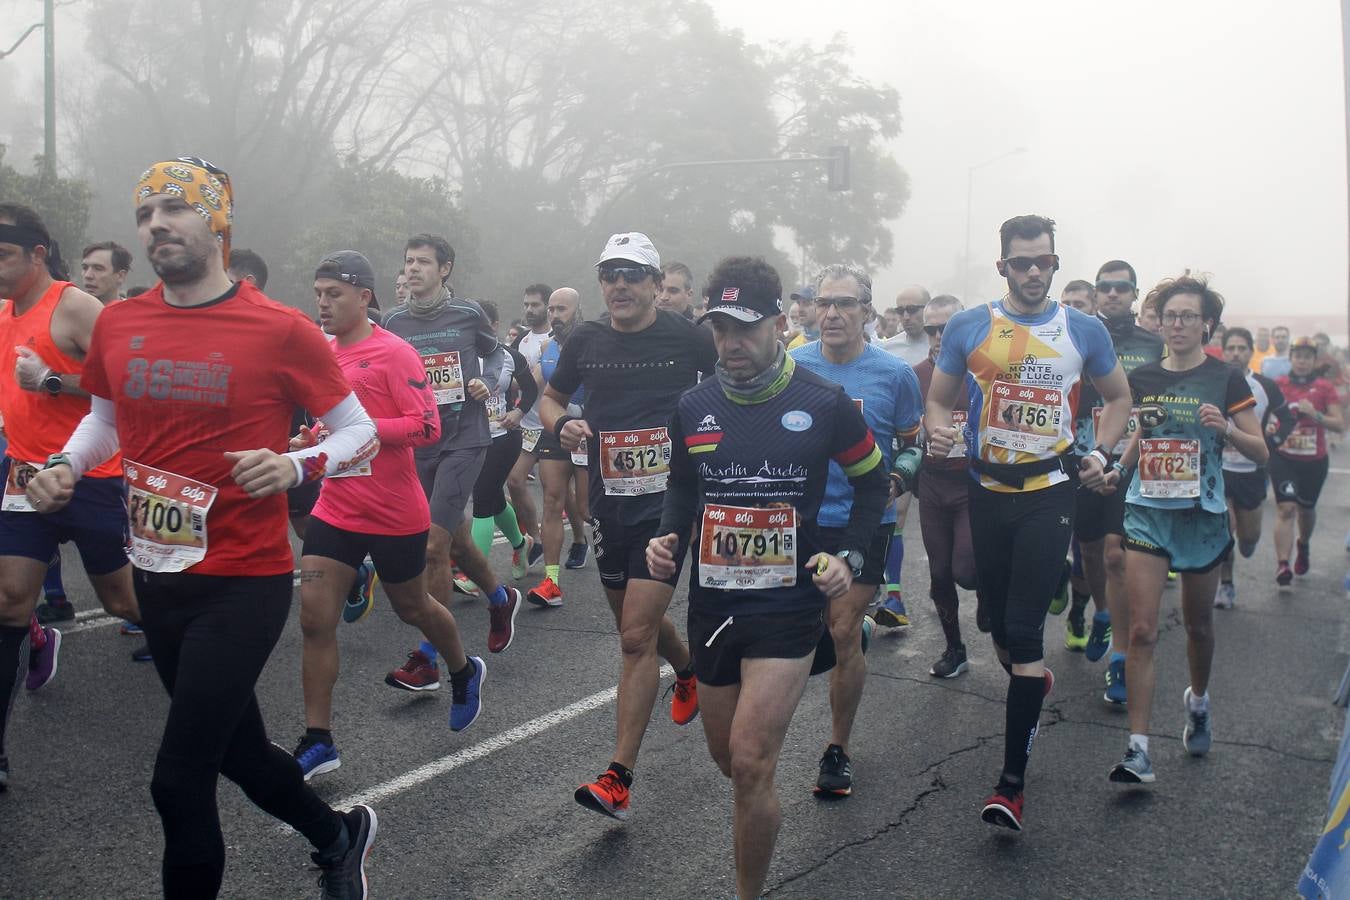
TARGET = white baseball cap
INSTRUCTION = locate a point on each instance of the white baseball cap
(632, 246)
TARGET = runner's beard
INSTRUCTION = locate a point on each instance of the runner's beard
(183, 268)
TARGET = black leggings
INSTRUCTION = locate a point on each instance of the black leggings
(489, 497)
(1020, 542)
(211, 636)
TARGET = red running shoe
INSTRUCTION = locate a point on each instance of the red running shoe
(546, 594)
(1300, 558)
(1284, 576)
(606, 795)
(1004, 809)
(684, 705)
(502, 621)
(417, 674)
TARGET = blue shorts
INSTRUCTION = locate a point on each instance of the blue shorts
(1194, 539)
(95, 520)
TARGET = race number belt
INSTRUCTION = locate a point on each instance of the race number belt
(1022, 417)
(529, 439)
(1169, 468)
(1131, 427)
(1302, 441)
(746, 549)
(446, 377)
(168, 518)
(634, 462)
(16, 500)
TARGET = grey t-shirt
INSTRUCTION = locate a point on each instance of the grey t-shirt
(450, 341)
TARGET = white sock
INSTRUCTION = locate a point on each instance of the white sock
(1140, 741)
(1197, 703)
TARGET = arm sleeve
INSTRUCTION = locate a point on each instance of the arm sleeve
(496, 370)
(681, 500)
(351, 441)
(856, 452)
(566, 377)
(529, 388)
(417, 423)
(1239, 395)
(95, 438)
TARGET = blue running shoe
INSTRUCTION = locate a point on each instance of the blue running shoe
(1099, 639)
(130, 627)
(1197, 735)
(1133, 768)
(1115, 681)
(576, 556)
(891, 613)
(362, 596)
(466, 700)
(316, 756)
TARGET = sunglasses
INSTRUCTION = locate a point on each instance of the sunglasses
(934, 330)
(1120, 287)
(1044, 262)
(630, 274)
(840, 303)
(911, 310)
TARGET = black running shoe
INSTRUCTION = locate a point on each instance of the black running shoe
(576, 556)
(952, 663)
(55, 611)
(344, 877)
(836, 774)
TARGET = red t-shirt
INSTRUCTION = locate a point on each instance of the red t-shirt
(190, 384)
(1308, 440)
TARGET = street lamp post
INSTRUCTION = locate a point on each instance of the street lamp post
(970, 191)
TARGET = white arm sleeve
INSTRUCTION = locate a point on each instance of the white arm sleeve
(95, 438)
(351, 440)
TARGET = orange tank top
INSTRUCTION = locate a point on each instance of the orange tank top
(37, 424)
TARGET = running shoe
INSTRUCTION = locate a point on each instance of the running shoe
(1099, 638)
(130, 627)
(836, 773)
(606, 794)
(952, 663)
(536, 553)
(869, 625)
(1284, 576)
(315, 756)
(1075, 634)
(1197, 736)
(362, 596)
(142, 654)
(546, 593)
(576, 556)
(1133, 768)
(1225, 595)
(466, 700)
(55, 609)
(502, 621)
(1060, 599)
(891, 613)
(1301, 564)
(42, 663)
(1004, 808)
(417, 674)
(1115, 682)
(684, 705)
(462, 585)
(520, 558)
(344, 877)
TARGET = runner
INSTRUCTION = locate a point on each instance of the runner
(887, 393)
(1028, 356)
(377, 508)
(944, 515)
(528, 344)
(910, 344)
(1190, 406)
(634, 366)
(761, 576)
(450, 334)
(196, 381)
(562, 473)
(1099, 520)
(1082, 296)
(45, 329)
(1300, 464)
(1245, 483)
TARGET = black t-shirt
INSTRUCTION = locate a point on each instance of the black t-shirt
(633, 381)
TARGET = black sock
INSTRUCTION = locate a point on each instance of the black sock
(13, 663)
(323, 735)
(1025, 693)
(687, 672)
(625, 774)
(1079, 606)
(464, 674)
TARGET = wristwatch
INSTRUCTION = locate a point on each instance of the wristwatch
(52, 383)
(58, 459)
(853, 559)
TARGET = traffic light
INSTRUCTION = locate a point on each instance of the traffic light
(839, 168)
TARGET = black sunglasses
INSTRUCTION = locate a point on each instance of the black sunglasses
(1045, 262)
(934, 330)
(630, 274)
(1120, 287)
(911, 310)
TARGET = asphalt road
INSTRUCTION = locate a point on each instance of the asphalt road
(489, 812)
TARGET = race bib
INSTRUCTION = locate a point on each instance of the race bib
(960, 419)
(748, 549)
(1130, 427)
(1023, 418)
(1302, 441)
(446, 377)
(529, 439)
(634, 462)
(1169, 468)
(168, 518)
(581, 455)
(15, 499)
(496, 410)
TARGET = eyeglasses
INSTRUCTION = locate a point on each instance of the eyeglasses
(914, 310)
(1186, 318)
(843, 304)
(934, 330)
(1120, 287)
(1044, 262)
(630, 274)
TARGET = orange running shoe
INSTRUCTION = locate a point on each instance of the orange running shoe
(606, 795)
(684, 705)
(546, 593)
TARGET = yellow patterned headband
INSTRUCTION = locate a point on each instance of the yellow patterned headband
(199, 184)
